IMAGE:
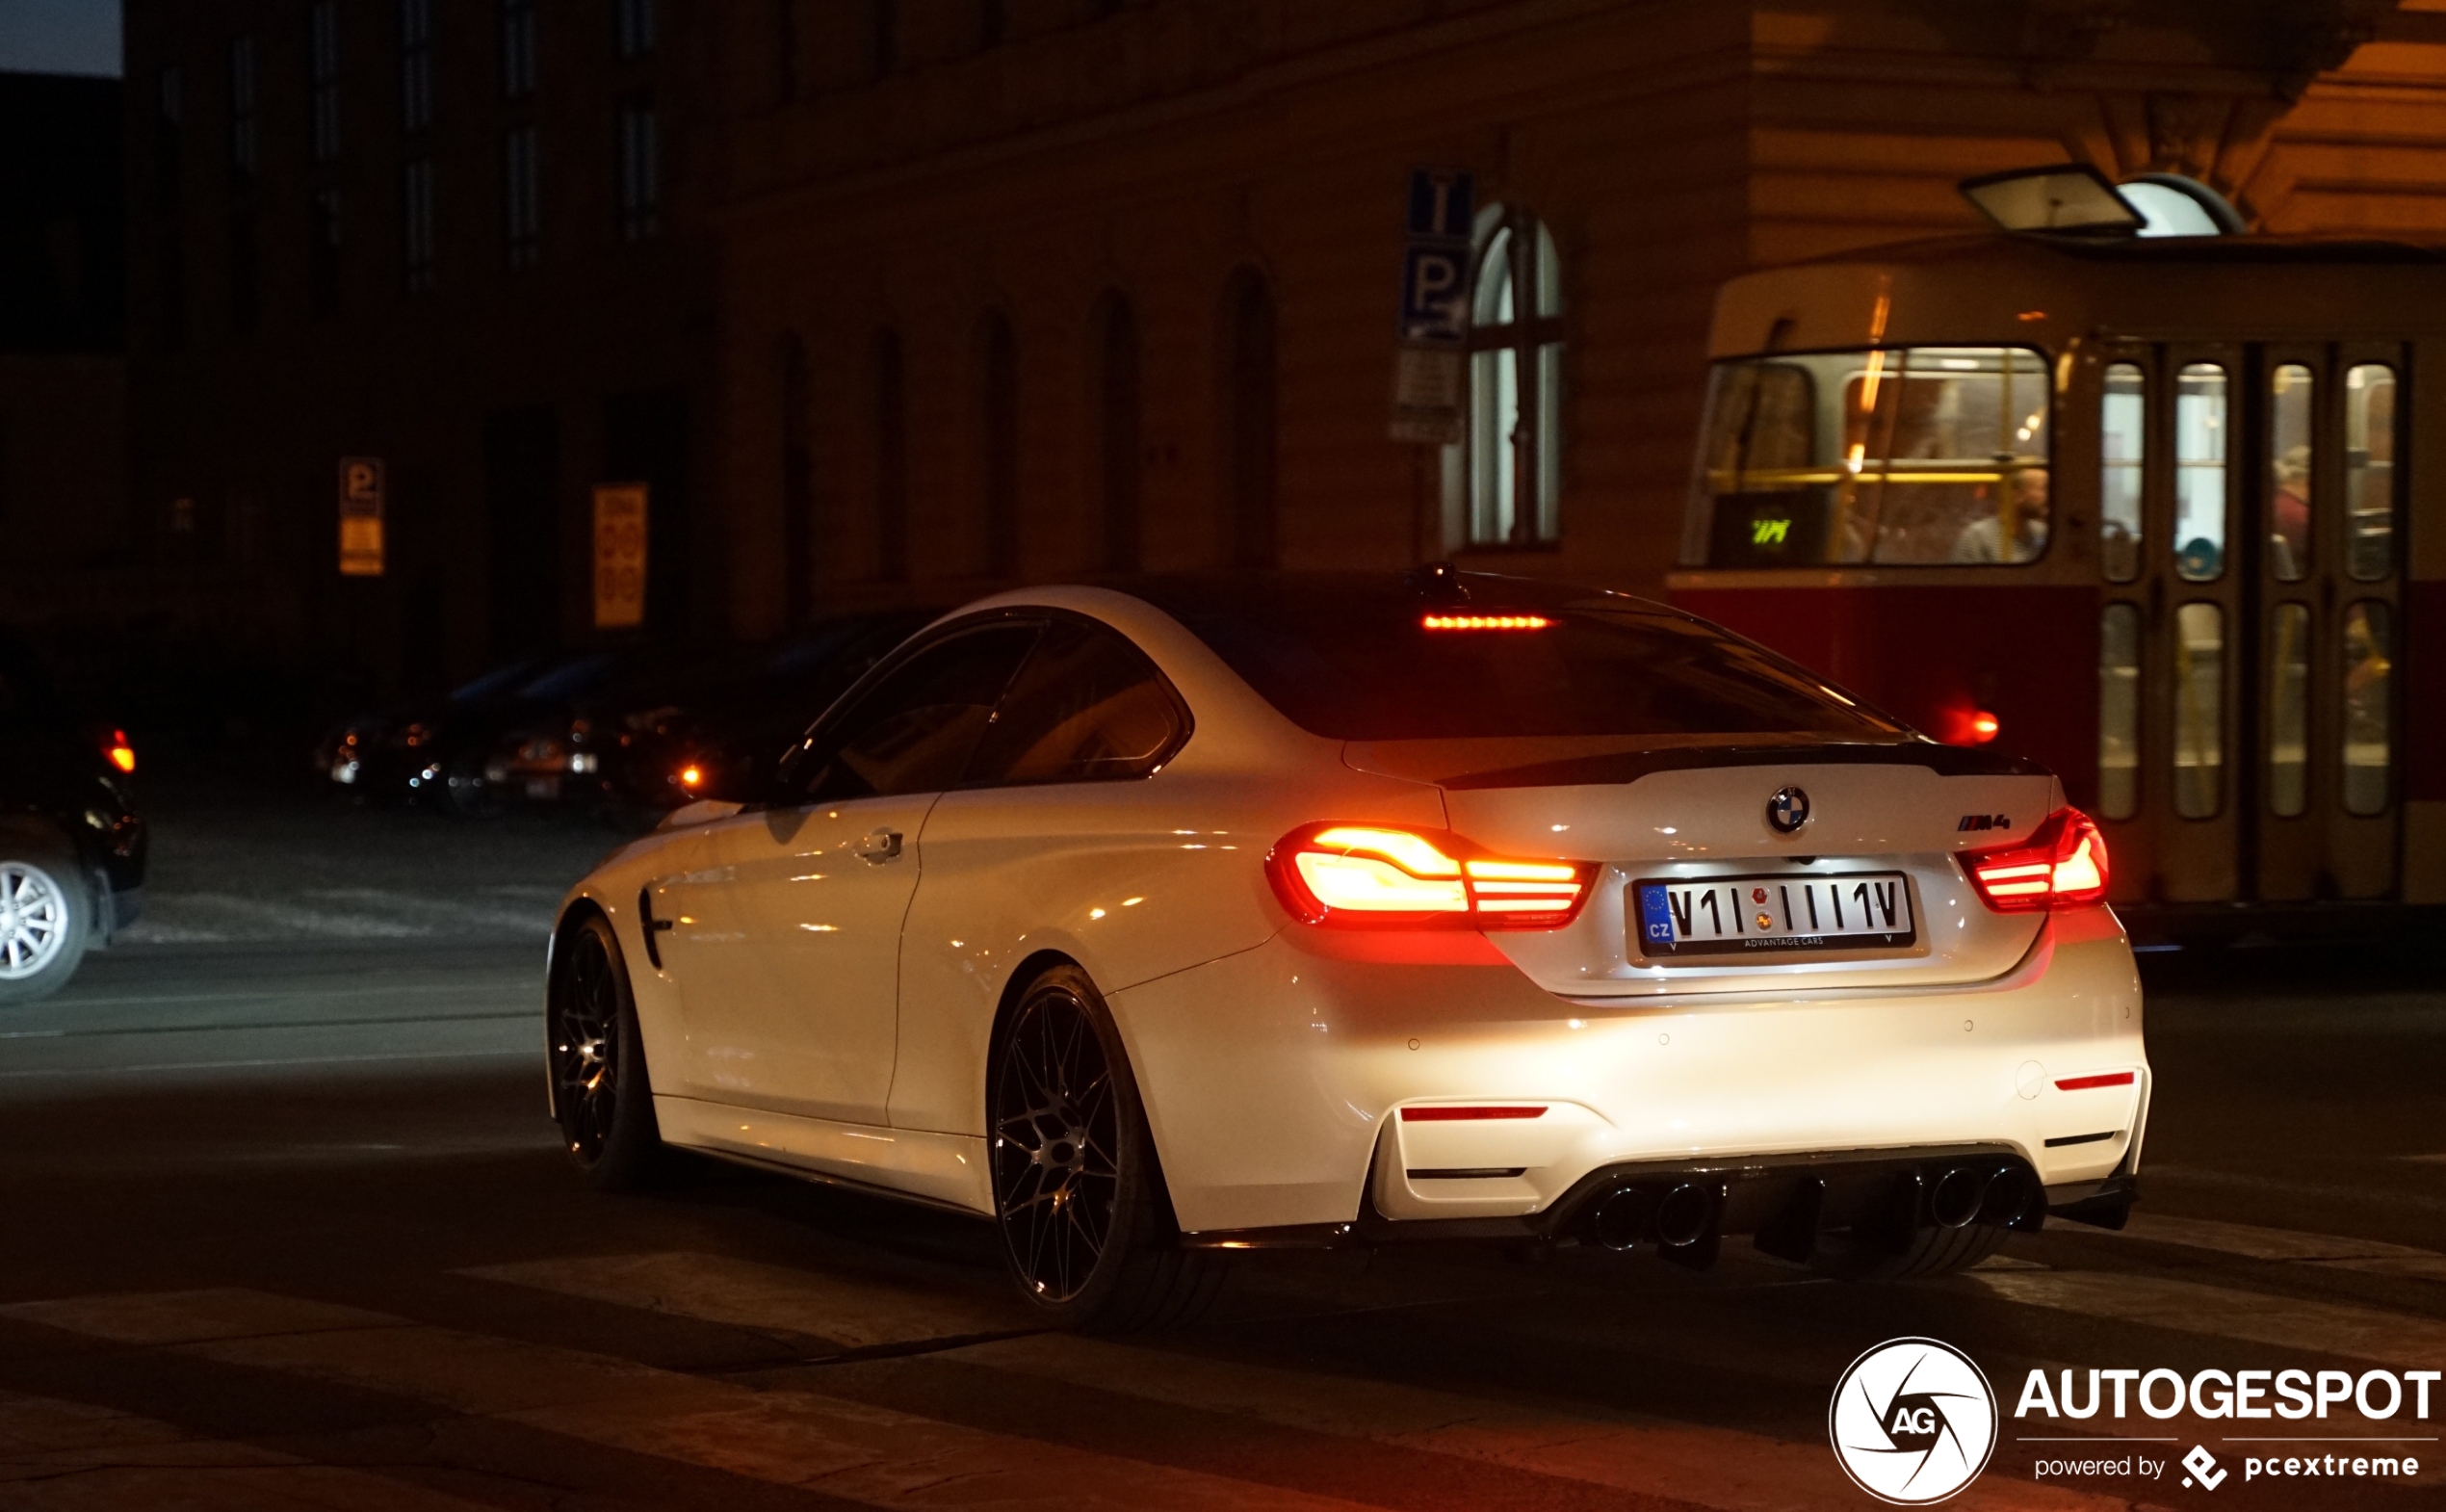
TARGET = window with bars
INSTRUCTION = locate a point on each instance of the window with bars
(521, 199)
(418, 246)
(517, 49)
(323, 253)
(416, 64)
(633, 27)
(242, 135)
(323, 78)
(637, 168)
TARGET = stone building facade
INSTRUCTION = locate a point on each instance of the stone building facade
(948, 294)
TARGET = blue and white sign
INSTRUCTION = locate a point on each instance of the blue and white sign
(1435, 294)
(1440, 213)
(1441, 205)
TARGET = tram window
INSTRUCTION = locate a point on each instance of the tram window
(2123, 451)
(2200, 681)
(2119, 651)
(2291, 388)
(2289, 710)
(1930, 455)
(2199, 473)
(2369, 472)
(2369, 667)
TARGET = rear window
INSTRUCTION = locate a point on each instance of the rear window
(1370, 659)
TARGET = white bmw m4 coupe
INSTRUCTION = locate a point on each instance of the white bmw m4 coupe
(1154, 922)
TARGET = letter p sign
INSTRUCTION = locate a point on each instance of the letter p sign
(1435, 308)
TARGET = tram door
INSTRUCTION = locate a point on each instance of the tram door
(2251, 557)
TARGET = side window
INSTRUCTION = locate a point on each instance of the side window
(1089, 707)
(915, 730)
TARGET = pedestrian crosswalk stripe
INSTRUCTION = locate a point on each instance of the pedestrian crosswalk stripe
(844, 1450)
(1715, 1468)
(62, 1456)
(2361, 1333)
(2252, 1243)
(715, 1289)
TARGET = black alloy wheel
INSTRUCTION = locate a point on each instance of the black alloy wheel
(585, 1039)
(1057, 1144)
(1087, 1225)
(601, 1094)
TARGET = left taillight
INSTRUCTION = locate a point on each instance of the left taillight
(1372, 877)
(2062, 865)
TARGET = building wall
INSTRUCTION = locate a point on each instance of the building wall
(248, 421)
(1668, 144)
(839, 170)
(62, 381)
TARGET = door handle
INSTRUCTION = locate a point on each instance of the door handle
(879, 845)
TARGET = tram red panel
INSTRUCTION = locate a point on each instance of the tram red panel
(2424, 694)
(1937, 656)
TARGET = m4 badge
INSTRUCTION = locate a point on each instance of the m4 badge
(1971, 821)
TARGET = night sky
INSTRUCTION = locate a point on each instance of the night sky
(59, 36)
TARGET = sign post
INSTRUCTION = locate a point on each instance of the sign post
(1434, 329)
(360, 516)
(620, 556)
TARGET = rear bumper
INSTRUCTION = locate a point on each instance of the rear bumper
(1785, 1202)
(1275, 1082)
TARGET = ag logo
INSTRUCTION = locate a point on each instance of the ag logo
(1914, 1420)
(1787, 811)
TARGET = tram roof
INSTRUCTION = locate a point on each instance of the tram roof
(2044, 291)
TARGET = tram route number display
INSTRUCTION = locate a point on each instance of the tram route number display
(1719, 916)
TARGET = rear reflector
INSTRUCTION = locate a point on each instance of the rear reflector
(2084, 1083)
(2062, 865)
(1465, 1115)
(1374, 877)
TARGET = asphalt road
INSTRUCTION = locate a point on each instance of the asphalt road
(283, 1225)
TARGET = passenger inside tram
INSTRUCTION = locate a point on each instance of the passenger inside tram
(2289, 514)
(2018, 531)
(1919, 455)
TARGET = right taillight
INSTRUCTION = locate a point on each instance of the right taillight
(2063, 865)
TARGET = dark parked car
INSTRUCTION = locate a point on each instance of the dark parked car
(696, 730)
(438, 753)
(71, 845)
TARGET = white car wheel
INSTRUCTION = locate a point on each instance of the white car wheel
(44, 922)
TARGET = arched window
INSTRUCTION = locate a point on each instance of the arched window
(1511, 460)
(998, 435)
(1118, 449)
(797, 484)
(1249, 418)
(891, 460)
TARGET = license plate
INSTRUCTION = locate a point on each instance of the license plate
(1726, 915)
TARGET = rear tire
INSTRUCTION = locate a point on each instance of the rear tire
(1929, 1253)
(601, 1092)
(46, 914)
(1087, 1227)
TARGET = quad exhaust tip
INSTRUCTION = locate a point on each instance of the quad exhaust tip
(1671, 1218)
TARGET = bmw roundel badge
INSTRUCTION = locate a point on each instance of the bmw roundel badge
(1787, 811)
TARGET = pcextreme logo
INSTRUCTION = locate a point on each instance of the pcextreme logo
(1912, 1421)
